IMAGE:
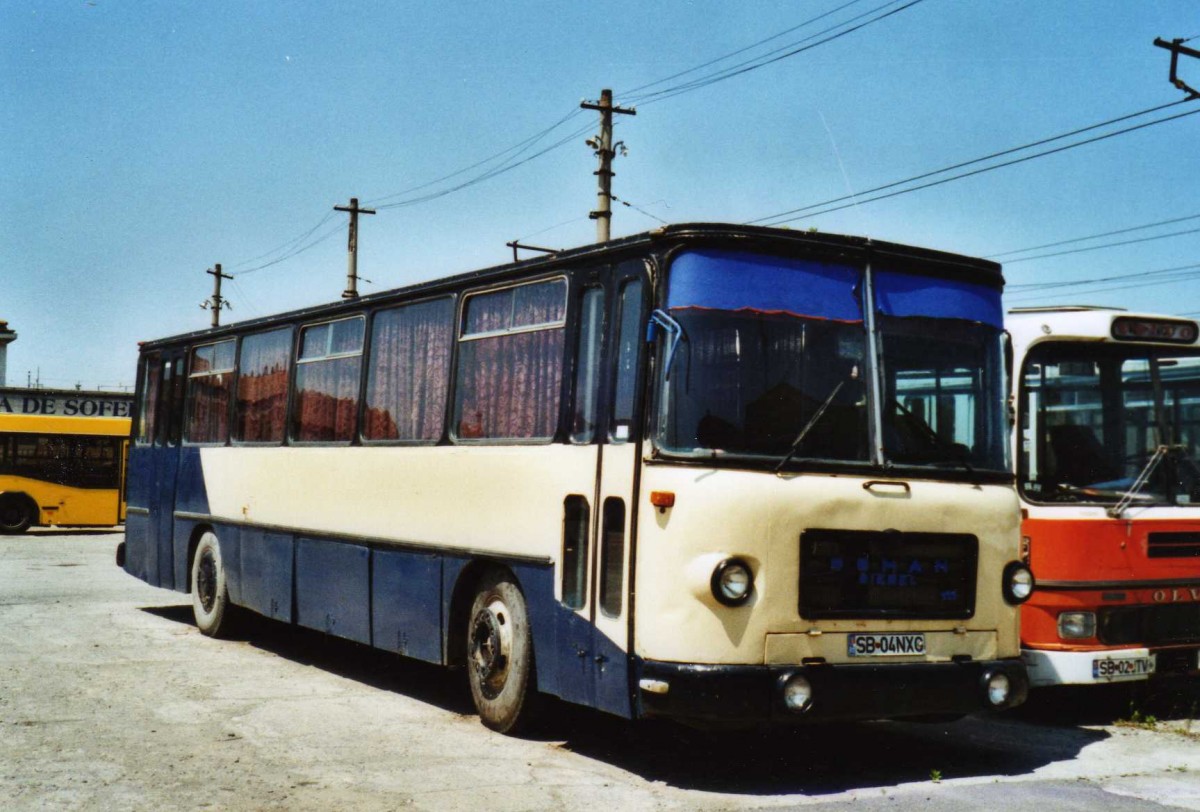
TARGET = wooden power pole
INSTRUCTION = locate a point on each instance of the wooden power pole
(604, 150)
(351, 291)
(217, 303)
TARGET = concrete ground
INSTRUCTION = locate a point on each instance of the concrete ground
(110, 699)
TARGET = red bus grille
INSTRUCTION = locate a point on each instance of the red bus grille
(1150, 625)
(1173, 545)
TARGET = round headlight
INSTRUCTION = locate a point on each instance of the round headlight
(797, 693)
(1018, 582)
(998, 688)
(732, 582)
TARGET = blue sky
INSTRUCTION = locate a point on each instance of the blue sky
(140, 143)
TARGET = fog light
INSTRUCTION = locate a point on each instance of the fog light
(797, 693)
(1076, 625)
(998, 689)
(1018, 582)
(732, 582)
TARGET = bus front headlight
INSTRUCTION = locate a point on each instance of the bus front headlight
(732, 582)
(1018, 583)
(1076, 625)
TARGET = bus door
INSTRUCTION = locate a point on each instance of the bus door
(164, 470)
(616, 498)
(596, 547)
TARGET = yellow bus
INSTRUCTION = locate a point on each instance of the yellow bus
(60, 466)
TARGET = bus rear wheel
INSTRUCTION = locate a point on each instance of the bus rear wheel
(16, 514)
(215, 615)
(500, 665)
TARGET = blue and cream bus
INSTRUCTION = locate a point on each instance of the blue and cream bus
(720, 474)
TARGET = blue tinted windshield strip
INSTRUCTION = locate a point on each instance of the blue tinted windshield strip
(905, 295)
(731, 280)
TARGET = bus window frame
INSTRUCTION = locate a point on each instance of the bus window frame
(454, 298)
(292, 426)
(185, 408)
(560, 431)
(234, 430)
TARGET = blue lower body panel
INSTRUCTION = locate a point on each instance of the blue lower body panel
(394, 598)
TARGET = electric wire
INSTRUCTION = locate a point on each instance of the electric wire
(804, 211)
(1072, 283)
(1104, 245)
(761, 62)
(1093, 236)
(517, 147)
(385, 202)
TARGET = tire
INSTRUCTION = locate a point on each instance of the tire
(16, 514)
(500, 664)
(215, 615)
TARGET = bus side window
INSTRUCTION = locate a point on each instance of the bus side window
(576, 521)
(510, 362)
(612, 556)
(629, 342)
(587, 367)
(210, 392)
(325, 391)
(148, 405)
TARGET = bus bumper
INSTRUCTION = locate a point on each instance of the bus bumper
(1108, 665)
(723, 694)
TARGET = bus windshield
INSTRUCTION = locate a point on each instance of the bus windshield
(1110, 423)
(772, 362)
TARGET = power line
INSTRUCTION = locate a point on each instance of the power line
(1105, 245)
(1093, 236)
(1180, 274)
(785, 217)
(295, 252)
(1029, 286)
(293, 247)
(629, 93)
(488, 175)
(525, 143)
(287, 245)
(761, 62)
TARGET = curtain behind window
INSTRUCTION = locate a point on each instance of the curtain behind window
(510, 384)
(408, 372)
(262, 386)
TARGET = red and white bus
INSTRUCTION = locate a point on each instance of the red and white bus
(1107, 448)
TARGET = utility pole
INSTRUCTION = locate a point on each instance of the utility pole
(603, 144)
(217, 303)
(351, 291)
(1176, 48)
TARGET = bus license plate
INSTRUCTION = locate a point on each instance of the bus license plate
(885, 645)
(1118, 668)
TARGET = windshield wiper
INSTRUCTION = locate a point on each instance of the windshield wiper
(1142, 478)
(812, 421)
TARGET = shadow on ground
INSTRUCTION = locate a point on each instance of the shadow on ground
(1161, 699)
(812, 760)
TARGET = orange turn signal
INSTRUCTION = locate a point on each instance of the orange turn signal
(662, 499)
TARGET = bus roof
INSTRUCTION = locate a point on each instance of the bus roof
(659, 241)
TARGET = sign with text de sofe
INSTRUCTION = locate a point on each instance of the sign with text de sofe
(64, 403)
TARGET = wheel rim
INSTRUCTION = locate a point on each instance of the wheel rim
(491, 648)
(206, 580)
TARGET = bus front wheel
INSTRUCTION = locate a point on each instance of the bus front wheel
(210, 590)
(500, 655)
(16, 514)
